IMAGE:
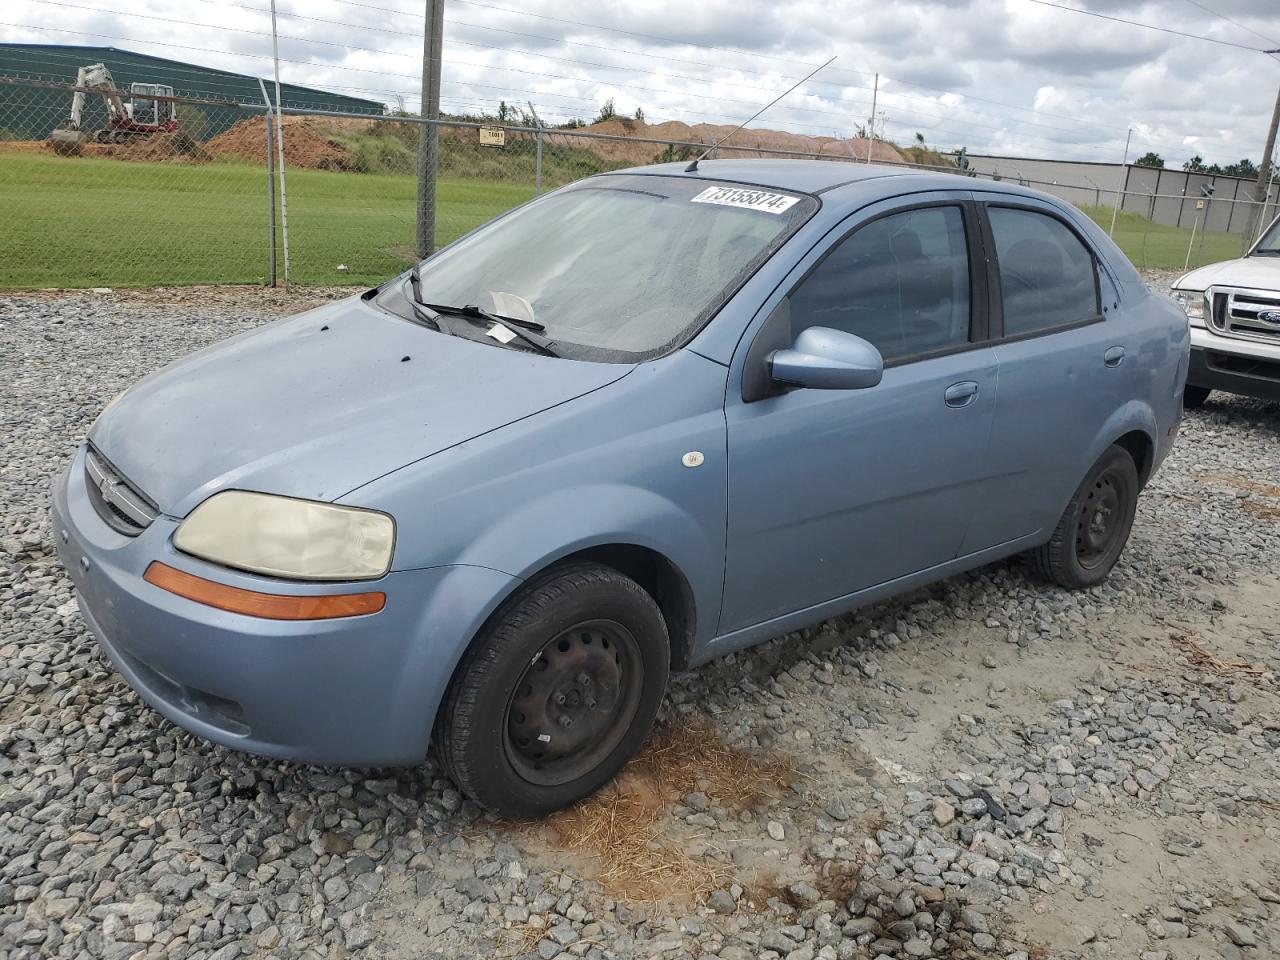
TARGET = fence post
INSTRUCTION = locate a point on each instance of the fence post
(271, 202)
(284, 207)
(537, 169)
(1123, 186)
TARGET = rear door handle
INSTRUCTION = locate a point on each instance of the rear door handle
(1113, 356)
(961, 394)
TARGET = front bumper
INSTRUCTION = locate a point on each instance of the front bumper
(1235, 366)
(359, 691)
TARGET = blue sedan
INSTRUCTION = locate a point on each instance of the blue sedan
(646, 420)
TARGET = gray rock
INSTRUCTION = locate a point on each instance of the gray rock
(721, 901)
(1239, 934)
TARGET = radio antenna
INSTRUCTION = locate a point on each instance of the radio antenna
(693, 167)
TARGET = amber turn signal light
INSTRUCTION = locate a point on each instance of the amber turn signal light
(270, 606)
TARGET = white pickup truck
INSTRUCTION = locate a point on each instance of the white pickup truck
(1234, 311)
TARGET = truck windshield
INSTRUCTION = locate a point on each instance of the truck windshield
(1269, 245)
(618, 268)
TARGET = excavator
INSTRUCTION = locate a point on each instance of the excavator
(140, 117)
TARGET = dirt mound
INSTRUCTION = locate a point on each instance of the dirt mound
(315, 143)
(308, 142)
(746, 143)
(158, 147)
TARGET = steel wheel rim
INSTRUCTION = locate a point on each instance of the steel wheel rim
(1100, 521)
(573, 703)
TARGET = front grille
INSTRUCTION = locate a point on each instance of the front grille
(121, 505)
(1246, 314)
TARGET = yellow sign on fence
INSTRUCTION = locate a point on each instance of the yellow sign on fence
(493, 137)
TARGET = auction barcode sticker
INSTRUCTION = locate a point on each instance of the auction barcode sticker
(750, 199)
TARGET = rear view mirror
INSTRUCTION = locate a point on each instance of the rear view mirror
(825, 359)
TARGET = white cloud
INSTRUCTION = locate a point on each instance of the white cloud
(1017, 77)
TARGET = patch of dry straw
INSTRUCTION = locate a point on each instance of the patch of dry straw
(619, 827)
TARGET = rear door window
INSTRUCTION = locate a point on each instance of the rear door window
(1048, 278)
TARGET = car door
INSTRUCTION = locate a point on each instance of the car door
(1065, 367)
(834, 491)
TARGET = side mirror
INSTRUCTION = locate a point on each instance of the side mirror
(826, 359)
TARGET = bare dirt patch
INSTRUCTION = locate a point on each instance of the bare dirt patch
(624, 830)
(158, 147)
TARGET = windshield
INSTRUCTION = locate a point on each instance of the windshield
(1269, 245)
(618, 268)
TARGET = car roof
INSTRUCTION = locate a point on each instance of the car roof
(821, 176)
(806, 176)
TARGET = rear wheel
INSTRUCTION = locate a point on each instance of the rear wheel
(1194, 397)
(1095, 527)
(558, 692)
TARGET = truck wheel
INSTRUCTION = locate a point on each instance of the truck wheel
(1193, 398)
(1095, 526)
(556, 694)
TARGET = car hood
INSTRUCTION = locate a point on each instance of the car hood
(321, 403)
(1257, 272)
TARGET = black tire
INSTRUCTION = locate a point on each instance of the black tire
(1095, 526)
(1193, 398)
(582, 643)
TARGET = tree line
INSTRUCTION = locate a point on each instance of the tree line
(1245, 169)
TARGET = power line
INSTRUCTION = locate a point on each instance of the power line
(935, 127)
(1223, 16)
(1002, 127)
(1146, 26)
(1113, 132)
(739, 53)
(811, 110)
(572, 62)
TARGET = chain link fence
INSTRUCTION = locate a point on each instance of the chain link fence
(162, 189)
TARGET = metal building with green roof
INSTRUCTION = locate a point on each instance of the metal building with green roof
(30, 112)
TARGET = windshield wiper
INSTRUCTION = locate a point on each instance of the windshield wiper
(424, 311)
(471, 310)
(526, 330)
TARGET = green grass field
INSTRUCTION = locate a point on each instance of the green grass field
(1150, 244)
(98, 222)
(95, 222)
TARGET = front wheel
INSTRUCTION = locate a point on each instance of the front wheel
(1094, 528)
(556, 694)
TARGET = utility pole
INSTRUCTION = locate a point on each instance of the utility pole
(429, 144)
(1263, 188)
(1124, 179)
(871, 126)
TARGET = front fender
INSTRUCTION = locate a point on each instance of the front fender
(564, 522)
(641, 462)
(453, 602)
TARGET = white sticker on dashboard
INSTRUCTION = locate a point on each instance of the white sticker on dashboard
(500, 333)
(749, 199)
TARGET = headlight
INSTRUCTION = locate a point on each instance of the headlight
(293, 539)
(1191, 301)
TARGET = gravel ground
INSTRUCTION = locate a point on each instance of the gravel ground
(988, 767)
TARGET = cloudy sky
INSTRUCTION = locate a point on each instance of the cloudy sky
(998, 76)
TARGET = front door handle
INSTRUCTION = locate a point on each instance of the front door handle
(1113, 356)
(961, 394)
